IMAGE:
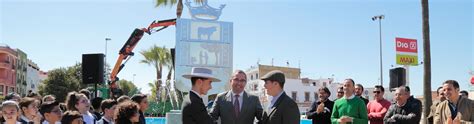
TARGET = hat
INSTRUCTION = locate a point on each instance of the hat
(201, 72)
(275, 75)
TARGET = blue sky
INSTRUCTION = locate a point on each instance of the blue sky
(325, 37)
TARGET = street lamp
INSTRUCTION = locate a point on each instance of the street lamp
(133, 80)
(105, 61)
(380, 17)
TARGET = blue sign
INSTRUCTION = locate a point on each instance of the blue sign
(204, 42)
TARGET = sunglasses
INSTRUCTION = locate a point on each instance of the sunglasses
(241, 80)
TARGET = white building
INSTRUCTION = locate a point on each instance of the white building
(32, 77)
(303, 90)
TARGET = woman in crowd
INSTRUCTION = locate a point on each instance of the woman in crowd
(79, 102)
(11, 111)
(29, 109)
(72, 117)
(127, 113)
(142, 102)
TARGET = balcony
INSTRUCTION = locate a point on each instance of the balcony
(4, 65)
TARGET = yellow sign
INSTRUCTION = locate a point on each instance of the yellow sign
(407, 59)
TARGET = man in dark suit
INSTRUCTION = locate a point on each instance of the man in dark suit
(321, 110)
(193, 109)
(282, 109)
(237, 106)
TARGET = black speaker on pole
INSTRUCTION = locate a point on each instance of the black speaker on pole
(93, 68)
(397, 77)
(173, 55)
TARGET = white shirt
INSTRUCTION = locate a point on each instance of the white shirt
(240, 99)
(22, 117)
(16, 122)
(88, 118)
(351, 97)
(46, 122)
(104, 119)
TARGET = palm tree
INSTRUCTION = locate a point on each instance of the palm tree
(153, 91)
(427, 58)
(157, 57)
(179, 7)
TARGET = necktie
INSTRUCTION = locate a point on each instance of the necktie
(236, 106)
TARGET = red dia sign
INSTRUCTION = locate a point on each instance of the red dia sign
(406, 45)
(472, 80)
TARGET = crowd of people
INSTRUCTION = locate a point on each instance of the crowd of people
(236, 106)
(78, 108)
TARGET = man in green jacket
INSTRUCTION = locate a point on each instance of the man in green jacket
(349, 109)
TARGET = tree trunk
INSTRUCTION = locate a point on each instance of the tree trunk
(426, 59)
(158, 83)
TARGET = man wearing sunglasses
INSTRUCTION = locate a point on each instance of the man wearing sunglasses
(377, 107)
(237, 106)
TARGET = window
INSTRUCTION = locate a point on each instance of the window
(306, 96)
(255, 87)
(316, 96)
(251, 77)
(1, 90)
(256, 76)
(293, 95)
(8, 59)
(11, 90)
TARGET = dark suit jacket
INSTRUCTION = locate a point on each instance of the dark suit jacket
(401, 114)
(141, 118)
(194, 111)
(321, 118)
(366, 101)
(223, 108)
(284, 111)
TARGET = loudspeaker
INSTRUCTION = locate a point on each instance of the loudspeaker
(92, 68)
(397, 77)
(173, 55)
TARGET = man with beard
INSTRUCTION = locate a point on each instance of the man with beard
(237, 106)
(321, 110)
(359, 89)
(440, 96)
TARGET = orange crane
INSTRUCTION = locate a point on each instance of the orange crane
(126, 52)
